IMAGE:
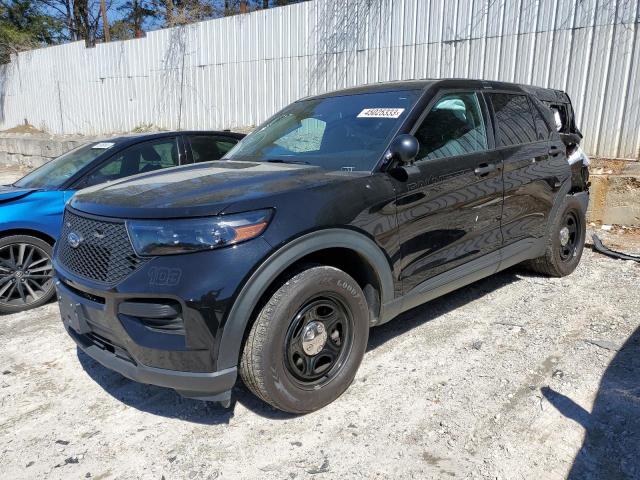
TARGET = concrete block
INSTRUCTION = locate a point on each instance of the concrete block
(615, 194)
(31, 151)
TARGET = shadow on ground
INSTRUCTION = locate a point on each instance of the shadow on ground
(167, 403)
(611, 448)
(440, 306)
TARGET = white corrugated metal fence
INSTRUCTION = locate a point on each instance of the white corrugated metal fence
(237, 71)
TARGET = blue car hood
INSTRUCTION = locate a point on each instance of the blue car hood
(9, 192)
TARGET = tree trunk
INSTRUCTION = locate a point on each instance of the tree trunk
(169, 13)
(81, 19)
(105, 21)
(138, 18)
(69, 20)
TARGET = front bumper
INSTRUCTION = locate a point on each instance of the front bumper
(215, 386)
(96, 340)
(121, 326)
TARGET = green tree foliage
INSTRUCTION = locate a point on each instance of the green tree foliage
(80, 18)
(24, 25)
(183, 12)
(27, 24)
(136, 14)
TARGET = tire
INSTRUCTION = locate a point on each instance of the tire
(21, 288)
(560, 260)
(290, 373)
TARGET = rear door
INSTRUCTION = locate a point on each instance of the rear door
(450, 204)
(534, 166)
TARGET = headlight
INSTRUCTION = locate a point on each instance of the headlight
(168, 237)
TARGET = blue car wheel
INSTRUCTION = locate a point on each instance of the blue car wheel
(26, 273)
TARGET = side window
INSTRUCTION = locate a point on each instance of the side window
(112, 168)
(453, 127)
(514, 121)
(141, 158)
(209, 147)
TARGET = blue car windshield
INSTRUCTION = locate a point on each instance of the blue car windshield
(348, 132)
(55, 173)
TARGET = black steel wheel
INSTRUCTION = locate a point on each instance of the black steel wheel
(26, 273)
(565, 240)
(318, 340)
(568, 236)
(307, 342)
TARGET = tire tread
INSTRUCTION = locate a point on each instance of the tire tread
(548, 264)
(254, 364)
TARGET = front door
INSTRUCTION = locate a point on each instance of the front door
(449, 207)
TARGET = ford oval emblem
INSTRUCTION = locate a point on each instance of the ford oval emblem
(74, 239)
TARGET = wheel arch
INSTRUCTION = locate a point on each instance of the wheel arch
(334, 247)
(29, 232)
(558, 200)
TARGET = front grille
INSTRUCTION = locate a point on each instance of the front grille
(104, 253)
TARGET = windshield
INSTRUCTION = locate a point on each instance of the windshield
(337, 133)
(56, 172)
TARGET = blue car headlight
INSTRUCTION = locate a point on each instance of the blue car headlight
(169, 237)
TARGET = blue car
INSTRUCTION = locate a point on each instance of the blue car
(31, 209)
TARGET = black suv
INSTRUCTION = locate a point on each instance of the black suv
(337, 214)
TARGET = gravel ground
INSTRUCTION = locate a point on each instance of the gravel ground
(515, 376)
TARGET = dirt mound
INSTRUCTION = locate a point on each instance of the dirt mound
(25, 128)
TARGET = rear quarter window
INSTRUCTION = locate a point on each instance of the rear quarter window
(561, 117)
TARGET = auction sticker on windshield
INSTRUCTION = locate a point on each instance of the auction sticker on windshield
(103, 145)
(381, 113)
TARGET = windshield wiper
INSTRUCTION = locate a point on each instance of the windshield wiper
(280, 160)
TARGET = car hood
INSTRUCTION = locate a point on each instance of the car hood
(9, 193)
(197, 190)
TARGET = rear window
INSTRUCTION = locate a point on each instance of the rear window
(514, 121)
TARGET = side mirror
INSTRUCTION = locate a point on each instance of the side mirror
(404, 148)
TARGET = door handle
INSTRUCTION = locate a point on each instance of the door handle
(554, 151)
(484, 169)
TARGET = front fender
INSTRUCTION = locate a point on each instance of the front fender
(48, 229)
(38, 212)
(252, 291)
